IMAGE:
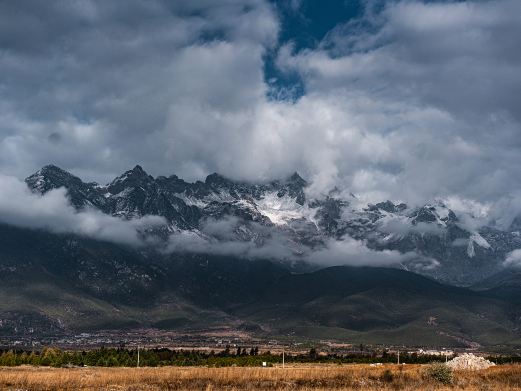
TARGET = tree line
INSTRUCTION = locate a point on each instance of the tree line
(241, 356)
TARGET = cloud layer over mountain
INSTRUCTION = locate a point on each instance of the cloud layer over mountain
(408, 100)
(53, 211)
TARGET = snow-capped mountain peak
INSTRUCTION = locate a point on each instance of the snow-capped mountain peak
(280, 208)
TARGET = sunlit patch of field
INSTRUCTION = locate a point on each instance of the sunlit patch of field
(298, 377)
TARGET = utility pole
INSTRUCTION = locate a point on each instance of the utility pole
(398, 357)
(283, 357)
(138, 356)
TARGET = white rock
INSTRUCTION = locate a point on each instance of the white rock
(469, 361)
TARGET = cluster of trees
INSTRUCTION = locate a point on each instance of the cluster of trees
(110, 357)
(505, 359)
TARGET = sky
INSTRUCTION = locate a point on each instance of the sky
(406, 100)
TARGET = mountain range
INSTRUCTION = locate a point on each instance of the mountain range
(261, 256)
(437, 241)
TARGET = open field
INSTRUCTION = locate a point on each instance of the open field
(299, 377)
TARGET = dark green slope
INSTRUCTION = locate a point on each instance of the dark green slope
(382, 304)
(103, 270)
(63, 283)
(505, 285)
(53, 284)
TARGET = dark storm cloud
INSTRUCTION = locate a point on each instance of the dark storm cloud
(411, 100)
(105, 76)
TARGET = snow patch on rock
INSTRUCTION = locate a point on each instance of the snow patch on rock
(477, 239)
(281, 210)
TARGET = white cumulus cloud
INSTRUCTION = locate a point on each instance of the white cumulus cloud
(53, 212)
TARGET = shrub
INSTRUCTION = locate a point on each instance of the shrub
(440, 372)
(387, 376)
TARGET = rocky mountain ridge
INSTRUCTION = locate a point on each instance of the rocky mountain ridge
(437, 241)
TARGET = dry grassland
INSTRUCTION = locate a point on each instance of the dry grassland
(300, 377)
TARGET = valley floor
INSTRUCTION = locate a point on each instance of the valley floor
(297, 377)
